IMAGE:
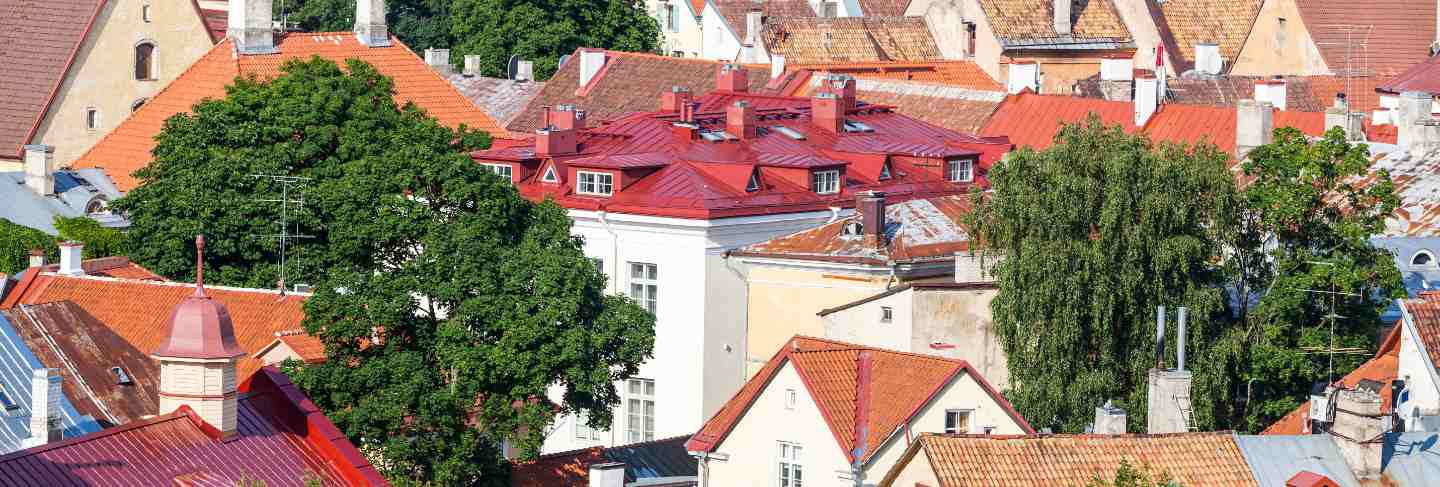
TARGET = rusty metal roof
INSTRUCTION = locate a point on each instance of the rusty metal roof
(915, 230)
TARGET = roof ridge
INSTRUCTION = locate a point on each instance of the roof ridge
(179, 413)
(858, 347)
(175, 284)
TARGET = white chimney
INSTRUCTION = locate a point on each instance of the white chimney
(37, 258)
(1207, 59)
(40, 169)
(250, 26)
(45, 412)
(753, 23)
(1254, 125)
(591, 60)
(1062, 17)
(439, 60)
(1147, 93)
(524, 70)
(1109, 420)
(1338, 115)
(1415, 122)
(70, 259)
(777, 65)
(1168, 408)
(472, 65)
(370, 26)
(1117, 68)
(1272, 91)
(607, 475)
(975, 267)
(1023, 74)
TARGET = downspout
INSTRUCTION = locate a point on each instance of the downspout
(834, 214)
(703, 459)
(614, 245)
(890, 282)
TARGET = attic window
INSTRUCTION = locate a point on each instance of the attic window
(825, 182)
(754, 184)
(97, 206)
(851, 229)
(549, 176)
(789, 132)
(1422, 258)
(885, 171)
(121, 377)
(887, 314)
(853, 126)
(6, 401)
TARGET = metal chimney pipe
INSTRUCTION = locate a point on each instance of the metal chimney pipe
(1160, 337)
(1180, 341)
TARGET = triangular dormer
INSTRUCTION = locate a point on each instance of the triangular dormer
(885, 171)
(754, 184)
(549, 176)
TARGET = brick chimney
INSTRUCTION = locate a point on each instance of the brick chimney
(439, 60)
(45, 395)
(1271, 90)
(843, 86)
(250, 27)
(870, 205)
(675, 99)
(553, 142)
(1062, 10)
(70, 258)
(1147, 98)
(370, 26)
(740, 120)
(1109, 420)
(826, 112)
(731, 78)
(40, 169)
(1254, 125)
(565, 117)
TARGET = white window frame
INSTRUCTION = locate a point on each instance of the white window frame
(502, 170)
(885, 172)
(825, 182)
(672, 18)
(791, 397)
(960, 170)
(887, 314)
(968, 414)
(644, 285)
(583, 431)
(639, 410)
(1425, 253)
(92, 118)
(549, 176)
(790, 469)
(145, 13)
(594, 186)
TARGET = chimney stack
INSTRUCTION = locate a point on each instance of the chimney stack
(1271, 90)
(525, 70)
(591, 61)
(826, 112)
(37, 257)
(249, 25)
(70, 258)
(1062, 17)
(1022, 75)
(740, 120)
(560, 134)
(1357, 424)
(40, 169)
(1254, 126)
(607, 475)
(871, 207)
(1207, 59)
(439, 60)
(565, 117)
(731, 78)
(1338, 115)
(843, 85)
(675, 99)
(472, 65)
(754, 21)
(1168, 391)
(45, 394)
(1416, 125)
(1109, 420)
(1147, 98)
(370, 26)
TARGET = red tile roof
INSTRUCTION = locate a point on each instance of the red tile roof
(1426, 314)
(883, 8)
(964, 74)
(1190, 459)
(835, 375)
(809, 40)
(1383, 368)
(118, 267)
(956, 95)
(1191, 124)
(1423, 76)
(307, 347)
(128, 307)
(1223, 22)
(734, 11)
(662, 174)
(917, 230)
(282, 439)
(127, 148)
(39, 41)
(1395, 33)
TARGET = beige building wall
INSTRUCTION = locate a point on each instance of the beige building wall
(1143, 31)
(184, 381)
(685, 37)
(783, 302)
(947, 18)
(1058, 74)
(916, 471)
(958, 318)
(1279, 48)
(103, 74)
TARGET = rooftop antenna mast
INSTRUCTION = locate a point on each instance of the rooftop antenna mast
(1357, 61)
(1330, 319)
(287, 184)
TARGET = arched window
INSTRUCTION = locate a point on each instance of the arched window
(1422, 258)
(97, 205)
(135, 105)
(145, 61)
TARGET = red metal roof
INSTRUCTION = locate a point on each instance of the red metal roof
(1423, 76)
(857, 389)
(660, 173)
(1033, 120)
(282, 439)
(1191, 124)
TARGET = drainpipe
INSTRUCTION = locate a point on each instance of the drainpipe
(614, 245)
(703, 458)
(834, 214)
(744, 345)
(893, 279)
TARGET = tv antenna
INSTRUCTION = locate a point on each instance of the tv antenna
(286, 202)
(1329, 320)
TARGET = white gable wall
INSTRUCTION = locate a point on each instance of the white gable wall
(753, 444)
(718, 41)
(1417, 372)
(917, 471)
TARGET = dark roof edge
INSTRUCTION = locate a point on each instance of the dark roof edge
(55, 92)
(882, 295)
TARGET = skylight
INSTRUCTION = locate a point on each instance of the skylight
(121, 377)
(713, 136)
(853, 126)
(789, 132)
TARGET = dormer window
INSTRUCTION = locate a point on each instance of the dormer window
(1422, 258)
(595, 183)
(885, 171)
(549, 176)
(97, 206)
(121, 377)
(754, 184)
(959, 171)
(825, 182)
(502, 170)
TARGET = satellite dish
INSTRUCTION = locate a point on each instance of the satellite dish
(512, 66)
(561, 64)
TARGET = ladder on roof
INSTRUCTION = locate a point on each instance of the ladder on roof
(1187, 413)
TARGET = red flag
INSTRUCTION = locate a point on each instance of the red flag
(1159, 55)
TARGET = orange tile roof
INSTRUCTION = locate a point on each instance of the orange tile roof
(850, 39)
(1383, 369)
(899, 385)
(127, 148)
(1223, 22)
(1190, 459)
(1034, 120)
(120, 267)
(965, 74)
(1396, 33)
(1035, 19)
(139, 311)
(1426, 314)
(308, 348)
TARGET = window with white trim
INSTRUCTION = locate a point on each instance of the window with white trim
(145, 13)
(596, 183)
(644, 284)
(92, 118)
(639, 410)
(959, 171)
(502, 170)
(791, 473)
(957, 421)
(583, 431)
(1422, 258)
(672, 22)
(887, 314)
(825, 182)
(790, 398)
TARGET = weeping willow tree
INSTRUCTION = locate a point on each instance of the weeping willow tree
(1095, 232)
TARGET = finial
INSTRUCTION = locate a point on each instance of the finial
(199, 265)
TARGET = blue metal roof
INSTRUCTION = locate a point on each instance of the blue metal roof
(1274, 459)
(1416, 277)
(74, 190)
(17, 364)
(1412, 459)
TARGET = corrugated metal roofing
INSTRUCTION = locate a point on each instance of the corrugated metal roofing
(664, 460)
(915, 230)
(1412, 459)
(1275, 459)
(16, 366)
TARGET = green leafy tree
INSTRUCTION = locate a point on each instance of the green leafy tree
(99, 241)
(1126, 475)
(1304, 232)
(420, 24)
(1095, 232)
(16, 242)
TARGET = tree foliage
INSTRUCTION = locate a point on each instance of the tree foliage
(16, 242)
(537, 30)
(99, 241)
(1126, 475)
(1095, 232)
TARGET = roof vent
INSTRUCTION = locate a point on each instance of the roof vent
(854, 126)
(788, 132)
(851, 229)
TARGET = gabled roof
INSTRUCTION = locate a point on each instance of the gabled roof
(734, 12)
(1031, 23)
(127, 148)
(916, 231)
(1426, 314)
(306, 347)
(651, 460)
(39, 41)
(127, 308)
(899, 385)
(1392, 34)
(1226, 23)
(281, 439)
(502, 99)
(1383, 368)
(1423, 76)
(810, 40)
(74, 191)
(883, 8)
(959, 74)
(629, 82)
(1190, 459)
(1302, 93)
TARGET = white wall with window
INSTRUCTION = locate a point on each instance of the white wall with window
(679, 27)
(639, 410)
(790, 471)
